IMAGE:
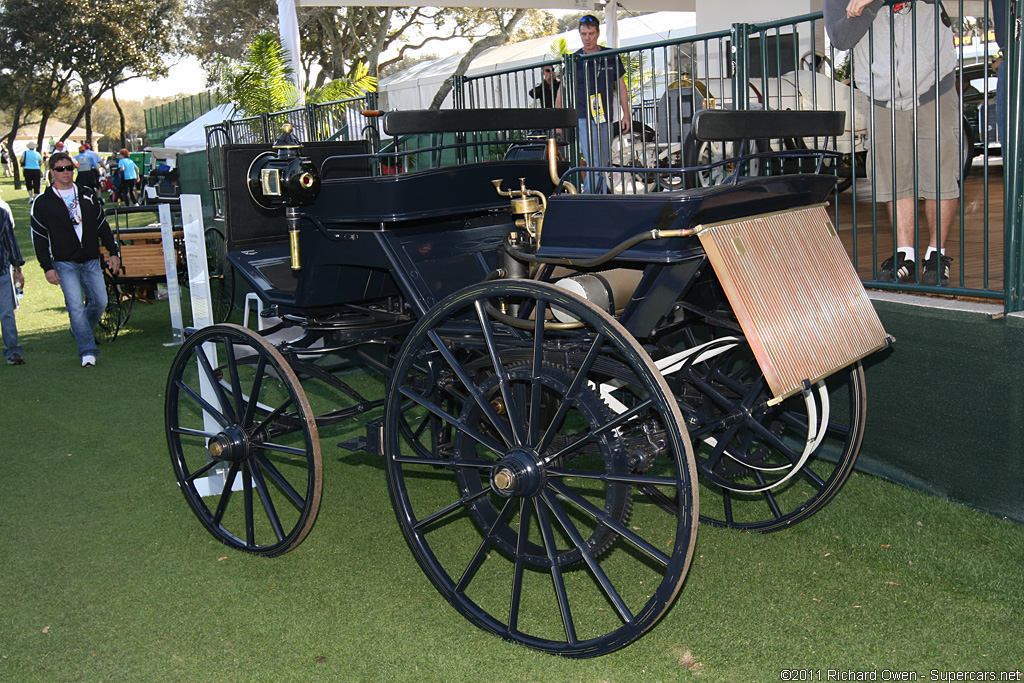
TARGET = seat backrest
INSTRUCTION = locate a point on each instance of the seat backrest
(414, 121)
(721, 125)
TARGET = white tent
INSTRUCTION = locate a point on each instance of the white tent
(414, 88)
(192, 137)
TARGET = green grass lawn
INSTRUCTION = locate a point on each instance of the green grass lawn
(105, 574)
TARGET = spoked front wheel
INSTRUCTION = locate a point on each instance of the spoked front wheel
(243, 440)
(520, 501)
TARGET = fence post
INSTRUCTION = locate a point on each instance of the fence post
(458, 91)
(569, 60)
(739, 61)
(312, 124)
(1013, 155)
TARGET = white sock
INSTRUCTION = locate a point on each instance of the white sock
(931, 250)
(908, 252)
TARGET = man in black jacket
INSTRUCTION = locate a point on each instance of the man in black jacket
(67, 226)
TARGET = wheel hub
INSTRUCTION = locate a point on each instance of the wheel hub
(519, 473)
(230, 445)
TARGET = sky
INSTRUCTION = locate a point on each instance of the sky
(185, 78)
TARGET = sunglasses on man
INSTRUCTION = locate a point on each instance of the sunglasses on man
(588, 19)
(63, 169)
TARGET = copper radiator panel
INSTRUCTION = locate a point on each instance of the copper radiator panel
(798, 299)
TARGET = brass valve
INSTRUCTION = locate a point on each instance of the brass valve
(528, 205)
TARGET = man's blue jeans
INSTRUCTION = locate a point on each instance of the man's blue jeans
(85, 296)
(7, 324)
(595, 146)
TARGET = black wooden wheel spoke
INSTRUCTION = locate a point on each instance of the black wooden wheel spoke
(485, 545)
(226, 405)
(275, 474)
(558, 581)
(268, 438)
(525, 508)
(594, 433)
(448, 509)
(280, 448)
(587, 507)
(599, 574)
(250, 521)
(266, 499)
(577, 384)
(474, 390)
(446, 462)
(499, 369)
(274, 415)
(204, 404)
(454, 421)
(229, 483)
(612, 477)
(201, 471)
(236, 385)
(536, 381)
(185, 431)
(254, 392)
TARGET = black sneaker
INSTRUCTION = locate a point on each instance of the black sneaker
(15, 359)
(904, 272)
(932, 271)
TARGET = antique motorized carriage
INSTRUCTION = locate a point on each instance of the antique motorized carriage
(564, 375)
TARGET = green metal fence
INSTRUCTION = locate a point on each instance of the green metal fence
(319, 122)
(166, 119)
(789, 64)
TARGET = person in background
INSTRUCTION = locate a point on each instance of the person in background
(546, 92)
(907, 81)
(129, 178)
(31, 163)
(67, 226)
(89, 166)
(597, 82)
(6, 155)
(10, 262)
(999, 26)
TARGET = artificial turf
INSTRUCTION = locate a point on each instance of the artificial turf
(107, 576)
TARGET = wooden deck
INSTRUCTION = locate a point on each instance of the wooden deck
(975, 239)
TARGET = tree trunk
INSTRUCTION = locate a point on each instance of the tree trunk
(88, 113)
(11, 137)
(42, 131)
(120, 112)
(478, 47)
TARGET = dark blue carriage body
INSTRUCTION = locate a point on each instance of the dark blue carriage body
(425, 234)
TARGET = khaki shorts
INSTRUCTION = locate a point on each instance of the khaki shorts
(884, 144)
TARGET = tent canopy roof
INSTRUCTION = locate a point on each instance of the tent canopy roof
(192, 137)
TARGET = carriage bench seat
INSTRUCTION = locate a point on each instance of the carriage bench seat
(441, 192)
(570, 220)
(446, 192)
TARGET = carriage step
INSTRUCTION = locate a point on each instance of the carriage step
(372, 442)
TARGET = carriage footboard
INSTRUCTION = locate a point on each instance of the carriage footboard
(796, 295)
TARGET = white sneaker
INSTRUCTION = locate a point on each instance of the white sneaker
(88, 360)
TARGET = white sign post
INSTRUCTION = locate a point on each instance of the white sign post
(171, 268)
(202, 316)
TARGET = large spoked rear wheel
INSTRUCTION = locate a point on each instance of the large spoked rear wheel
(764, 467)
(243, 440)
(516, 451)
